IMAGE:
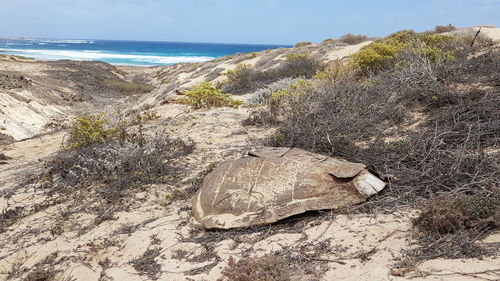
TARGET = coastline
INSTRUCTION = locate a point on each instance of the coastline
(137, 53)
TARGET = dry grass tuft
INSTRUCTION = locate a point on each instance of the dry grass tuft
(267, 268)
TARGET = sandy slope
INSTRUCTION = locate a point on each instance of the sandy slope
(345, 247)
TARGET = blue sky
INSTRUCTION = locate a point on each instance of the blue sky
(235, 21)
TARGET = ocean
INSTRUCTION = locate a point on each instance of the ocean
(143, 53)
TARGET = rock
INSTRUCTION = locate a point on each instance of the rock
(275, 183)
(4, 138)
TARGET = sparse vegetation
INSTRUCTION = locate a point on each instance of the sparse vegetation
(302, 44)
(421, 110)
(147, 265)
(260, 117)
(450, 227)
(127, 87)
(267, 268)
(383, 53)
(349, 114)
(106, 164)
(337, 70)
(444, 28)
(450, 153)
(468, 212)
(263, 95)
(149, 115)
(329, 41)
(352, 39)
(298, 66)
(204, 95)
(90, 129)
(244, 78)
(118, 165)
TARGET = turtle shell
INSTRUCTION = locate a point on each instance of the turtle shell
(275, 183)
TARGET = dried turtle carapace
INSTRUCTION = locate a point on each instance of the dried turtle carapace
(275, 183)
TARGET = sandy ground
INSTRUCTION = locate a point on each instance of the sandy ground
(368, 245)
(163, 234)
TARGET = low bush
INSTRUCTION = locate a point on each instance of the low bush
(118, 166)
(90, 129)
(204, 95)
(106, 164)
(444, 28)
(450, 228)
(383, 53)
(377, 55)
(146, 116)
(298, 66)
(352, 39)
(302, 44)
(259, 118)
(244, 78)
(263, 95)
(355, 118)
(283, 99)
(329, 41)
(450, 152)
(469, 212)
(336, 70)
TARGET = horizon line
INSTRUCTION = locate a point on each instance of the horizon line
(136, 40)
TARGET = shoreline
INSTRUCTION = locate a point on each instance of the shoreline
(136, 53)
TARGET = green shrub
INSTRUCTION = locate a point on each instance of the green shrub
(89, 129)
(383, 53)
(281, 99)
(205, 95)
(436, 40)
(242, 74)
(376, 55)
(302, 44)
(435, 54)
(403, 36)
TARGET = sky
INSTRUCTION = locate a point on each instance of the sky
(235, 21)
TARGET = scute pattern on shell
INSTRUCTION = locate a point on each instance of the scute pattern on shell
(274, 183)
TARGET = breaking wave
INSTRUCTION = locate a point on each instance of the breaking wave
(114, 58)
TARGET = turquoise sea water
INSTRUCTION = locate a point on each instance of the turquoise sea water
(124, 52)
